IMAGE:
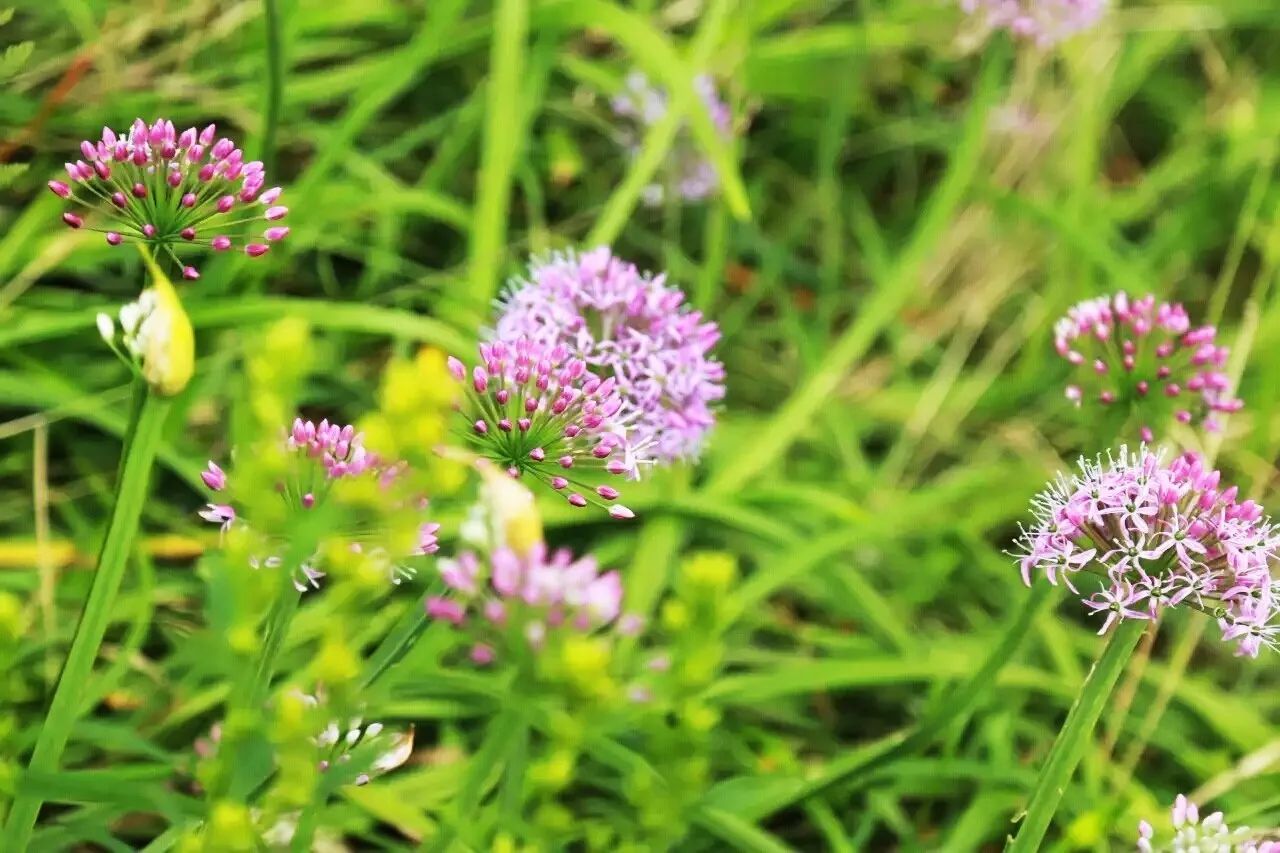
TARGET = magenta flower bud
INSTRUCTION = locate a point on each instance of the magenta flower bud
(256, 250)
(482, 654)
(174, 179)
(188, 200)
(119, 200)
(60, 189)
(270, 195)
(559, 483)
(188, 138)
(187, 233)
(206, 172)
(537, 454)
(456, 369)
(148, 230)
(108, 135)
(481, 428)
(72, 220)
(102, 169)
(274, 213)
(214, 477)
(446, 610)
(220, 243)
(616, 466)
(139, 190)
(607, 492)
(207, 135)
(565, 461)
(168, 150)
(620, 511)
(114, 238)
(226, 203)
(577, 500)
(222, 148)
(89, 152)
(277, 233)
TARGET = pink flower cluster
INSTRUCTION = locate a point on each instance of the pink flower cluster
(634, 328)
(1042, 22)
(694, 177)
(1193, 835)
(1158, 535)
(1145, 355)
(534, 410)
(333, 452)
(170, 189)
(521, 598)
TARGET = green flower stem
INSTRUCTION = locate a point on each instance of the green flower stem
(1074, 738)
(141, 443)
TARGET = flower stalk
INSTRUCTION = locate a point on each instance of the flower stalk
(142, 441)
(1073, 739)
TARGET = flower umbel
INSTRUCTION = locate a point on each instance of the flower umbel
(1193, 835)
(320, 457)
(1157, 535)
(1145, 356)
(633, 327)
(694, 176)
(524, 599)
(534, 410)
(170, 189)
(1042, 22)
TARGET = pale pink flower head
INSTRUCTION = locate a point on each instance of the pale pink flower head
(1144, 359)
(321, 455)
(527, 598)
(690, 174)
(630, 326)
(1043, 23)
(1152, 534)
(1191, 834)
(175, 191)
(540, 414)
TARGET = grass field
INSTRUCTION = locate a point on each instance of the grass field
(904, 210)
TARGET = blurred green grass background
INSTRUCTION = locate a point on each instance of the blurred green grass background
(902, 219)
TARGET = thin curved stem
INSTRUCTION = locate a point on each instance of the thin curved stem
(1073, 740)
(141, 443)
(275, 84)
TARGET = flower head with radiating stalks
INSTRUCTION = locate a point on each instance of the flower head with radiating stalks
(693, 175)
(1193, 835)
(537, 412)
(1158, 534)
(1042, 22)
(1145, 356)
(320, 457)
(633, 327)
(172, 190)
(525, 599)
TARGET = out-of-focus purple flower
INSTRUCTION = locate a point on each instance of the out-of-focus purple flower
(1193, 835)
(325, 453)
(1145, 355)
(170, 189)
(1042, 22)
(1158, 535)
(693, 177)
(538, 412)
(526, 598)
(634, 328)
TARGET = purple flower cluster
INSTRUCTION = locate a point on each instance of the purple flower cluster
(694, 177)
(1042, 22)
(533, 409)
(633, 328)
(521, 598)
(169, 189)
(1145, 355)
(328, 453)
(1193, 835)
(1158, 535)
